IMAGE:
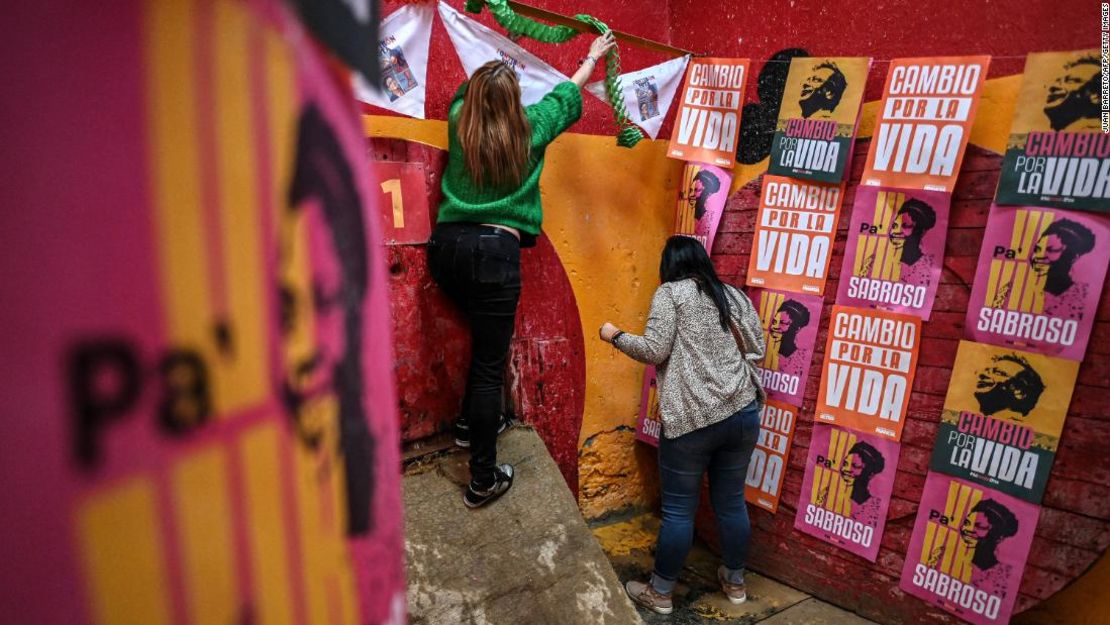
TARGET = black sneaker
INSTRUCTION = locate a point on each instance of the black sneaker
(462, 429)
(502, 482)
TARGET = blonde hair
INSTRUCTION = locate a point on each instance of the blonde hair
(493, 130)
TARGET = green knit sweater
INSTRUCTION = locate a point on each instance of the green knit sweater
(518, 208)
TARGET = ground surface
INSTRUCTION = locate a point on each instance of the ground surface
(629, 544)
(528, 558)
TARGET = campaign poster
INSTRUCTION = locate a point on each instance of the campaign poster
(763, 485)
(895, 250)
(924, 122)
(789, 323)
(870, 360)
(816, 127)
(1002, 418)
(846, 490)
(968, 549)
(707, 124)
(1039, 279)
(649, 425)
(794, 233)
(701, 202)
(1058, 154)
(200, 413)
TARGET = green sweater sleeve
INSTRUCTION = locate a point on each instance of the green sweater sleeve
(554, 113)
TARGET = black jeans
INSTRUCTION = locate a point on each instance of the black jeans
(479, 268)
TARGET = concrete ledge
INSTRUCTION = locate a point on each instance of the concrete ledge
(527, 558)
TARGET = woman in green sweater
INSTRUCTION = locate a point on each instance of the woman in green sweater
(491, 209)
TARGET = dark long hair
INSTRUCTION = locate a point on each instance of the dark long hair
(322, 172)
(924, 218)
(799, 318)
(685, 258)
(873, 464)
(1078, 240)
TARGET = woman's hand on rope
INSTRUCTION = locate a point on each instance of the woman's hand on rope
(602, 45)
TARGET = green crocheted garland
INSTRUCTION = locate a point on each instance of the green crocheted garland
(628, 134)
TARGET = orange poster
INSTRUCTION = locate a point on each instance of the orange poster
(794, 233)
(870, 359)
(924, 122)
(708, 121)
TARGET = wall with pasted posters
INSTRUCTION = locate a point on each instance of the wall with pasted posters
(201, 426)
(1072, 529)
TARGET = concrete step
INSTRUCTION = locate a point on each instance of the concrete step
(527, 558)
(630, 544)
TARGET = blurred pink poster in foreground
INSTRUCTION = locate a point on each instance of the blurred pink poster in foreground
(202, 424)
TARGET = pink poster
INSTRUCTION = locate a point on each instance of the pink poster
(201, 424)
(701, 201)
(895, 250)
(968, 549)
(1039, 279)
(649, 427)
(846, 490)
(790, 323)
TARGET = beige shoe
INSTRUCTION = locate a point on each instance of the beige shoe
(736, 593)
(646, 596)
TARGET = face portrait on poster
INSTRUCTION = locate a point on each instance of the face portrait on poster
(968, 549)
(649, 425)
(895, 250)
(846, 490)
(794, 232)
(1002, 418)
(708, 121)
(763, 485)
(870, 360)
(1058, 154)
(817, 120)
(1039, 279)
(924, 122)
(701, 202)
(789, 323)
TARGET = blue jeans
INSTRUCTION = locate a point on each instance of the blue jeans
(724, 449)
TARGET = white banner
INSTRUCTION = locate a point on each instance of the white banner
(648, 92)
(403, 54)
(476, 45)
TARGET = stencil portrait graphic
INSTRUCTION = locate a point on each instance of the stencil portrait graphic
(983, 530)
(323, 280)
(856, 470)
(902, 257)
(702, 186)
(822, 90)
(647, 97)
(1049, 286)
(783, 352)
(1008, 387)
(1073, 100)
